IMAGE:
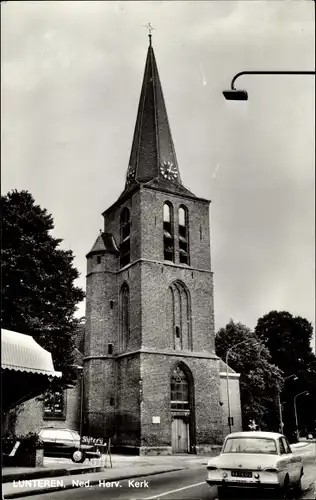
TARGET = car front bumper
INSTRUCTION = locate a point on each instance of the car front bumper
(255, 485)
(92, 454)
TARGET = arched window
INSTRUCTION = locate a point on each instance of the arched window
(125, 247)
(184, 257)
(179, 389)
(124, 318)
(168, 237)
(178, 316)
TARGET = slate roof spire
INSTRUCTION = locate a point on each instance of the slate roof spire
(153, 158)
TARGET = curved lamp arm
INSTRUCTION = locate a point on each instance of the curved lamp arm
(241, 95)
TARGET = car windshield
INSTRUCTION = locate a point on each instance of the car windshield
(250, 445)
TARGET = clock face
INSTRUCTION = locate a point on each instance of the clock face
(168, 170)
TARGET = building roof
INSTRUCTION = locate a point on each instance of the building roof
(258, 434)
(153, 153)
(104, 243)
(21, 353)
(223, 367)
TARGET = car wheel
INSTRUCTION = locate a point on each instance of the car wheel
(285, 490)
(221, 493)
(78, 457)
(298, 486)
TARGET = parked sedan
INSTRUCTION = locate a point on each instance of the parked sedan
(255, 461)
(66, 443)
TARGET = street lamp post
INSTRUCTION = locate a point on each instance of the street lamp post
(294, 377)
(306, 393)
(227, 379)
(242, 95)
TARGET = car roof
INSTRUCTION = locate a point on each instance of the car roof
(257, 434)
(57, 429)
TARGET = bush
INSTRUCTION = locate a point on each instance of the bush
(31, 441)
(8, 441)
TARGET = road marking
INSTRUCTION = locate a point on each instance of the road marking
(175, 491)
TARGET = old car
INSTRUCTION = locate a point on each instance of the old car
(66, 443)
(260, 462)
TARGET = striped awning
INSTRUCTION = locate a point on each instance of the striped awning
(21, 353)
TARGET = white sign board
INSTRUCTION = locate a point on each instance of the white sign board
(156, 420)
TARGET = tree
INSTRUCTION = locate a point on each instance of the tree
(260, 380)
(39, 297)
(288, 339)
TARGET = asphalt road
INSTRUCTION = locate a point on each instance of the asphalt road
(185, 485)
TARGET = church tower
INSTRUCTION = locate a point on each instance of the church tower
(151, 376)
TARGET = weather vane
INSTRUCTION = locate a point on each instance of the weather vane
(150, 29)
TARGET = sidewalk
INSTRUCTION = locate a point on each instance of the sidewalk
(26, 482)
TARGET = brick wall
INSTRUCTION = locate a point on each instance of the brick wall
(128, 401)
(99, 389)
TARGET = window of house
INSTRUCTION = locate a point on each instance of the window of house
(124, 317)
(168, 238)
(183, 236)
(179, 388)
(125, 226)
(55, 405)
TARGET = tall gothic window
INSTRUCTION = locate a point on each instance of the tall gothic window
(179, 389)
(179, 316)
(124, 318)
(183, 236)
(168, 238)
(125, 246)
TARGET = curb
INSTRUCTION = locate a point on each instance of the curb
(39, 474)
(27, 493)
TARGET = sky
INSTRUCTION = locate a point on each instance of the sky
(71, 79)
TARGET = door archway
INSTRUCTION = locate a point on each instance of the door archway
(182, 410)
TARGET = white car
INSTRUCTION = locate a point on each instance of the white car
(259, 461)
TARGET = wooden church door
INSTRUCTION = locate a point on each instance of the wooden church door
(180, 436)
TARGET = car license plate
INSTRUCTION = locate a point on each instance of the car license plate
(241, 473)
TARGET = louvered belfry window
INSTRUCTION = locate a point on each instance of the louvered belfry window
(168, 237)
(184, 257)
(125, 246)
(179, 390)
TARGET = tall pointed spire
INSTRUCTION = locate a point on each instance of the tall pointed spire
(153, 158)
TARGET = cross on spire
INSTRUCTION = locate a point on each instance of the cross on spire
(150, 29)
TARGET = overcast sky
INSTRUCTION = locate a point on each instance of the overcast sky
(71, 78)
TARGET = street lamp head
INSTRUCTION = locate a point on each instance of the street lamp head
(235, 95)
